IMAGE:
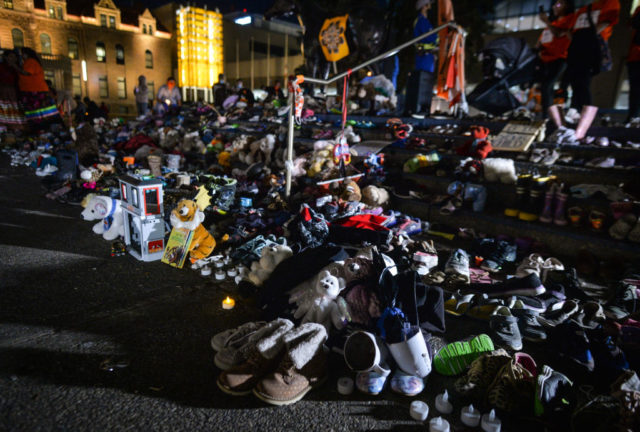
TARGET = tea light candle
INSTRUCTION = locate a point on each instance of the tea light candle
(228, 303)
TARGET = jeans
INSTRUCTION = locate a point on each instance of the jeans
(143, 107)
(549, 74)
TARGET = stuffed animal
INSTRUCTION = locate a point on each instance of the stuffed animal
(479, 147)
(270, 257)
(265, 146)
(374, 196)
(109, 212)
(187, 215)
(500, 169)
(350, 191)
(318, 303)
(322, 158)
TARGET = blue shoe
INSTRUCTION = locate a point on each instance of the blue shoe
(405, 384)
(371, 383)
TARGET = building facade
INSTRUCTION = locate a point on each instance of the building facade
(95, 50)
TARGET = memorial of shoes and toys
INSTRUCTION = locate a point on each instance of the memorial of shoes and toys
(484, 280)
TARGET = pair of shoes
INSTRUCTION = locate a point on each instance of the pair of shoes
(627, 226)
(495, 253)
(535, 264)
(505, 330)
(283, 365)
(455, 357)
(528, 324)
(373, 383)
(458, 266)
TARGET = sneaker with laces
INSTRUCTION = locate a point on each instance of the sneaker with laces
(458, 265)
(555, 317)
(513, 388)
(505, 329)
(527, 286)
(530, 328)
(552, 392)
(495, 253)
(571, 342)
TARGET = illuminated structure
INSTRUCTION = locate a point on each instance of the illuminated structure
(199, 45)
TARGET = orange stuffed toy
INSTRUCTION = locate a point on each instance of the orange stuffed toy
(187, 215)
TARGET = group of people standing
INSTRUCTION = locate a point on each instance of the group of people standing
(574, 47)
(26, 101)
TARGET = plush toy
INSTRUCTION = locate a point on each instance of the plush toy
(479, 147)
(270, 257)
(265, 146)
(318, 303)
(192, 143)
(224, 159)
(322, 158)
(350, 191)
(374, 196)
(109, 211)
(188, 215)
(500, 169)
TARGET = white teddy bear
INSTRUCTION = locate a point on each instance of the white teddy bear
(318, 303)
(270, 257)
(109, 211)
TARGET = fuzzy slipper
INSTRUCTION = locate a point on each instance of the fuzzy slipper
(623, 226)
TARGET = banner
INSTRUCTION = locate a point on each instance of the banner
(332, 38)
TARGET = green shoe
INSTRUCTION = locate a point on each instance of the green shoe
(454, 358)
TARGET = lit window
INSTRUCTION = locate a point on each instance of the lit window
(18, 38)
(45, 43)
(150, 29)
(148, 59)
(103, 20)
(52, 11)
(112, 21)
(72, 45)
(101, 52)
(119, 54)
(103, 85)
(8, 4)
(76, 85)
(144, 28)
(59, 12)
(122, 88)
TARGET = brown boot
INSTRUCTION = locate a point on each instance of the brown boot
(261, 358)
(303, 367)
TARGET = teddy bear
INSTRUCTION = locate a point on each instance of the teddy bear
(109, 212)
(270, 257)
(375, 196)
(187, 215)
(350, 191)
(499, 169)
(318, 303)
(265, 146)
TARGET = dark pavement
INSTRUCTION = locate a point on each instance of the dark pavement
(94, 342)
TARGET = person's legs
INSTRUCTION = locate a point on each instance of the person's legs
(551, 73)
(580, 80)
(633, 69)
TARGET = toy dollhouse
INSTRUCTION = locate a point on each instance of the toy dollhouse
(143, 213)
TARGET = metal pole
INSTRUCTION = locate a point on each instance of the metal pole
(383, 56)
(268, 58)
(237, 59)
(286, 57)
(252, 43)
(289, 162)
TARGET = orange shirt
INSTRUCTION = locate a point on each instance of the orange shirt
(601, 11)
(634, 48)
(552, 47)
(34, 82)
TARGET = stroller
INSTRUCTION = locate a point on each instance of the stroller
(506, 62)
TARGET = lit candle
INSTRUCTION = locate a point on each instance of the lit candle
(228, 303)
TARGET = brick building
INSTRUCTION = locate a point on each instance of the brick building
(96, 50)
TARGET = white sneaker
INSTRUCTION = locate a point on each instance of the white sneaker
(46, 170)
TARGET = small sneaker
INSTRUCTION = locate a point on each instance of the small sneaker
(405, 384)
(496, 254)
(513, 388)
(454, 358)
(371, 383)
(552, 391)
(527, 286)
(558, 316)
(571, 342)
(530, 328)
(458, 265)
(505, 329)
